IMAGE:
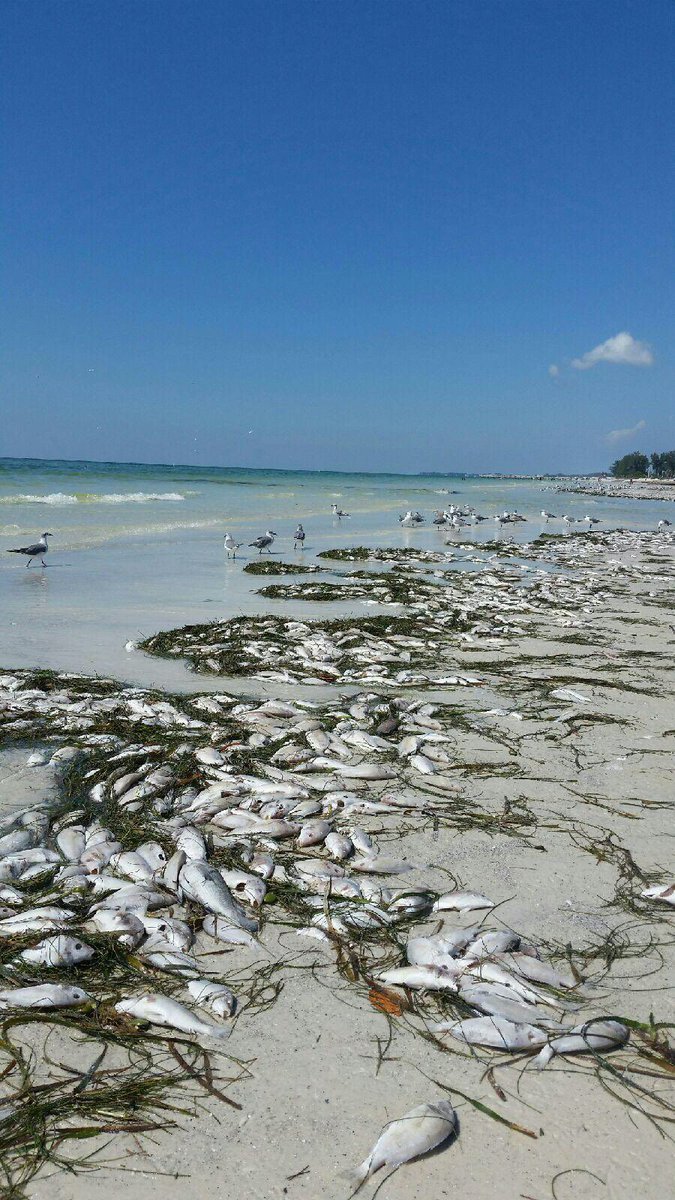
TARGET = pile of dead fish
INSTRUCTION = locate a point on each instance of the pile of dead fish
(483, 607)
(296, 822)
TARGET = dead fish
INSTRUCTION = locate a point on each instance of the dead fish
(58, 951)
(597, 1034)
(215, 996)
(192, 844)
(419, 1131)
(206, 885)
(172, 870)
(220, 929)
(462, 902)
(162, 1010)
(153, 854)
(134, 898)
(497, 1000)
(38, 920)
(132, 866)
(173, 932)
(535, 970)
(432, 951)
(416, 976)
(361, 841)
(495, 1032)
(339, 846)
(14, 842)
(44, 995)
(313, 833)
(492, 972)
(249, 887)
(365, 771)
(263, 865)
(164, 957)
(496, 941)
(381, 864)
(423, 764)
(71, 842)
(664, 892)
(129, 929)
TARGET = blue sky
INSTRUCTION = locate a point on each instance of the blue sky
(338, 235)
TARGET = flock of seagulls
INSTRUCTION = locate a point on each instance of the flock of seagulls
(452, 517)
(567, 520)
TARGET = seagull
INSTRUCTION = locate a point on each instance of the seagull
(548, 516)
(663, 524)
(299, 536)
(592, 520)
(37, 550)
(231, 546)
(566, 519)
(337, 512)
(264, 542)
(477, 517)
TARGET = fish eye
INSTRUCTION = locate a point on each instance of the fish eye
(78, 945)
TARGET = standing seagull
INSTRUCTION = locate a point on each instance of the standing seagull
(299, 536)
(231, 546)
(38, 550)
(337, 512)
(548, 516)
(264, 542)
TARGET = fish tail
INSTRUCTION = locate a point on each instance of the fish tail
(358, 1175)
(544, 1057)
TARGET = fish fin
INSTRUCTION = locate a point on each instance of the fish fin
(356, 1177)
(544, 1057)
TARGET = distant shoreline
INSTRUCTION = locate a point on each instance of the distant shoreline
(625, 489)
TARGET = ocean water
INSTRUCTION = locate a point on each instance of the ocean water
(137, 548)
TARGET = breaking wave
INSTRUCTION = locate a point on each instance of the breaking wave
(61, 499)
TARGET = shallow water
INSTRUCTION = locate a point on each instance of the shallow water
(139, 548)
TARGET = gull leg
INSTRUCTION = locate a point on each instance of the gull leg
(29, 562)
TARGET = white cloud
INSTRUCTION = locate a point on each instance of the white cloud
(619, 435)
(623, 348)
(554, 371)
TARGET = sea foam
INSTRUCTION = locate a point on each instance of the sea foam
(60, 499)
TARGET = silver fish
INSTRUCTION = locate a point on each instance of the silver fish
(462, 902)
(221, 929)
(215, 996)
(45, 995)
(419, 1131)
(495, 1032)
(58, 951)
(597, 1034)
(162, 1010)
(206, 885)
(431, 977)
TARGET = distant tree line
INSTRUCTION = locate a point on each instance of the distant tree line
(659, 466)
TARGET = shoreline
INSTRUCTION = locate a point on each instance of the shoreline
(637, 489)
(538, 776)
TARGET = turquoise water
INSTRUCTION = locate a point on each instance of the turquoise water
(93, 503)
(137, 548)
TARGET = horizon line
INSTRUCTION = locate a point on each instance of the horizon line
(105, 462)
